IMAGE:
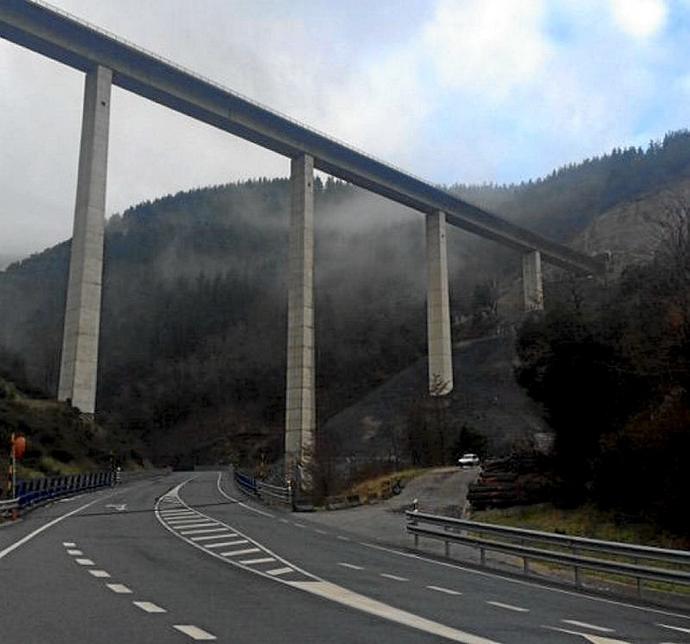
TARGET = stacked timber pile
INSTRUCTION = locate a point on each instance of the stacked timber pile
(518, 479)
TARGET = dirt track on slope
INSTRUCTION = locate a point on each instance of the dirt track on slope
(442, 491)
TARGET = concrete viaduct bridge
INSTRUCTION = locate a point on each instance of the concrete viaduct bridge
(107, 60)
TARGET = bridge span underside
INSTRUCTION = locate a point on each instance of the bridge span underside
(103, 56)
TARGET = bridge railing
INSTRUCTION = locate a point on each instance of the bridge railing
(265, 491)
(642, 563)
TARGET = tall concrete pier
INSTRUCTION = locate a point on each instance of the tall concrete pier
(438, 307)
(532, 284)
(79, 361)
(300, 414)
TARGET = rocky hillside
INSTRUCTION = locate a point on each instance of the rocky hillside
(59, 439)
(486, 400)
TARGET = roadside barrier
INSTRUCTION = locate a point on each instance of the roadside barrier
(642, 563)
(33, 493)
(264, 491)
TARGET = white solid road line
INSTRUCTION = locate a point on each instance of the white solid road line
(250, 562)
(593, 627)
(394, 577)
(239, 542)
(447, 591)
(101, 574)
(236, 553)
(675, 628)
(149, 607)
(244, 505)
(50, 524)
(75, 552)
(595, 639)
(517, 609)
(194, 632)
(279, 571)
(349, 565)
(121, 589)
(69, 544)
(338, 594)
(354, 600)
(85, 562)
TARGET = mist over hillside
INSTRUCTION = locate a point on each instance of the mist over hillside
(194, 301)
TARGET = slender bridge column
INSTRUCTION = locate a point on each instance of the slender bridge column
(532, 285)
(438, 307)
(79, 361)
(300, 414)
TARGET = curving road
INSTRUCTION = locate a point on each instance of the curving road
(187, 558)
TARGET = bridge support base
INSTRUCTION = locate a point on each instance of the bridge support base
(438, 307)
(79, 360)
(300, 414)
(532, 284)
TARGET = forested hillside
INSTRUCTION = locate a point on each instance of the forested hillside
(613, 372)
(566, 201)
(194, 312)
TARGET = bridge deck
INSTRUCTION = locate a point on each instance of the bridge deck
(64, 38)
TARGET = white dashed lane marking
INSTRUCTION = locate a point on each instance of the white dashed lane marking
(447, 591)
(75, 552)
(84, 562)
(343, 538)
(194, 632)
(517, 609)
(121, 589)
(295, 577)
(150, 607)
(349, 565)
(100, 574)
(593, 627)
(394, 577)
(69, 544)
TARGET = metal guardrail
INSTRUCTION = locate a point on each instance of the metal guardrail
(264, 491)
(35, 492)
(503, 539)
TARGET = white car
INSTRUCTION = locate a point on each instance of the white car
(468, 460)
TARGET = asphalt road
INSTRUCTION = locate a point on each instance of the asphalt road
(188, 558)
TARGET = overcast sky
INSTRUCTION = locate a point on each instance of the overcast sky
(452, 90)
